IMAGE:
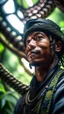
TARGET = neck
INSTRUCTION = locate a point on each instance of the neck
(42, 71)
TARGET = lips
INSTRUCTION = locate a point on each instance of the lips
(33, 53)
(36, 52)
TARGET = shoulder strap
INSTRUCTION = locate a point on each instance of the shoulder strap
(50, 92)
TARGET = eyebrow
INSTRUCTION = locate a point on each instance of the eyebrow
(34, 33)
(37, 32)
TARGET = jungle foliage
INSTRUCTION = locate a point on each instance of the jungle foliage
(8, 97)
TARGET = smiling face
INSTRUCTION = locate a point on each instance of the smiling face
(38, 49)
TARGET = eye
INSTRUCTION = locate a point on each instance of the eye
(38, 38)
(28, 41)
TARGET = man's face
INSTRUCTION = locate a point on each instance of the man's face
(38, 49)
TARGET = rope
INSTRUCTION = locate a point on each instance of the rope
(8, 78)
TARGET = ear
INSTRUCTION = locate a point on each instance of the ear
(58, 46)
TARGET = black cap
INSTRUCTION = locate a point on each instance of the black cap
(45, 25)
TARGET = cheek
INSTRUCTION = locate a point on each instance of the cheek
(46, 55)
(44, 45)
(26, 49)
(45, 50)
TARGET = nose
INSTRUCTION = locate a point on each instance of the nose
(32, 44)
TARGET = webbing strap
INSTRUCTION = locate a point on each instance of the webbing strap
(43, 104)
(49, 93)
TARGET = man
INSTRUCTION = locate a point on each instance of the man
(44, 42)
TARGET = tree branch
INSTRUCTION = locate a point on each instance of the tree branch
(13, 49)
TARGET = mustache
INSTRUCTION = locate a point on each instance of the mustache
(33, 51)
(36, 51)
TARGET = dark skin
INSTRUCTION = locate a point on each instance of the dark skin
(39, 53)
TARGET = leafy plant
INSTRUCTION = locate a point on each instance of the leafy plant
(7, 100)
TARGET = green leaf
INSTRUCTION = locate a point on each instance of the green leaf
(2, 88)
(10, 99)
(8, 111)
(3, 102)
(1, 48)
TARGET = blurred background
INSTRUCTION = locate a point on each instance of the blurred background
(13, 16)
